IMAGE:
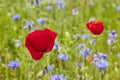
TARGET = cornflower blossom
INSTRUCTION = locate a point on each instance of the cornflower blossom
(112, 37)
(100, 61)
(49, 8)
(29, 24)
(99, 56)
(118, 8)
(118, 55)
(85, 36)
(56, 46)
(13, 64)
(75, 11)
(113, 34)
(110, 41)
(61, 4)
(93, 41)
(101, 64)
(81, 46)
(16, 17)
(58, 77)
(77, 36)
(41, 21)
(85, 52)
(36, 2)
(63, 57)
(48, 69)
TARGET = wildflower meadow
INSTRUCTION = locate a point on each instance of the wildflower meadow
(59, 39)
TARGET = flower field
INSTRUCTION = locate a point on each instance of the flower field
(60, 40)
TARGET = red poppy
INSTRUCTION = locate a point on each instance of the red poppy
(96, 27)
(40, 42)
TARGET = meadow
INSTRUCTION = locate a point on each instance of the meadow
(72, 55)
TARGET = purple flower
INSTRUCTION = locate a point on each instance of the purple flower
(85, 36)
(77, 36)
(63, 57)
(101, 64)
(36, 2)
(100, 56)
(93, 41)
(29, 24)
(75, 11)
(50, 68)
(118, 55)
(58, 77)
(16, 17)
(118, 8)
(56, 46)
(41, 21)
(61, 4)
(85, 52)
(13, 64)
(113, 34)
(81, 46)
(49, 8)
(110, 41)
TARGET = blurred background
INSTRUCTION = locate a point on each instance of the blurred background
(68, 18)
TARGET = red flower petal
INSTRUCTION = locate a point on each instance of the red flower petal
(95, 27)
(40, 42)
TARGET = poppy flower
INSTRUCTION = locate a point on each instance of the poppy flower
(96, 27)
(40, 42)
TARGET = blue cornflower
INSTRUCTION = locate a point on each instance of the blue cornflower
(100, 56)
(118, 8)
(85, 36)
(75, 11)
(101, 64)
(85, 52)
(13, 64)
(36, 2)
(81, 46)
(56, 46)
(49, 8)
(16, 17)
(29, 24)
(113, 34)
(58, 77)
(77, 36)
(41, 21)
(93, 41)
(61, 4)
(118, 55)
(110, 41)
(63, 57)
(48, 69)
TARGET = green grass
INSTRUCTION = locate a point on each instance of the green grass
(60, 21)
